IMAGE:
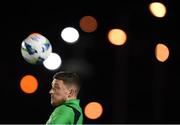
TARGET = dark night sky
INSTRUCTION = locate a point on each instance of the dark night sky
(127, 80)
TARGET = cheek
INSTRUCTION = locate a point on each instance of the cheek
(59, 95)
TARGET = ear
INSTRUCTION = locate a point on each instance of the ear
(71, 92)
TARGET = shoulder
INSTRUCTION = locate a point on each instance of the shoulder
(63, 109)
(61, 115)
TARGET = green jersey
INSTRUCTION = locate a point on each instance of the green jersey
(69, 112)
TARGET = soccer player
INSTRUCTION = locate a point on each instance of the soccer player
(64, 91)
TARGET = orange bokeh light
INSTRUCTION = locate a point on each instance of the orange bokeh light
(161, 52)
(93, 110)
(28, 84)
(88, 24)
(117, 36)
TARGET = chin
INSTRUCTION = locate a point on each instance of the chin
(55, 103)
(52, 103)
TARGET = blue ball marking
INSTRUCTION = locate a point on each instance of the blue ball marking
(30, 50)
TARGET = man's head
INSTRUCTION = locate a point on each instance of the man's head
(65, 86)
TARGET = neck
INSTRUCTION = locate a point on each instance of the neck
(73, 97)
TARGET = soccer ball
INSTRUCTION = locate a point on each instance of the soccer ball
(35, 48)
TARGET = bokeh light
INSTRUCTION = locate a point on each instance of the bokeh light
(157, 9)
(93, 110)
(117, 36)
(88, 24)
(161, 52)
(28, 84)
(53, 62)
(70, 35)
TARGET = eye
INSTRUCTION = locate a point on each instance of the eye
(53, 88)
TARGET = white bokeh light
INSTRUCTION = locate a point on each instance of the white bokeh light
(70, 34)
(158, 9)
(53, 62)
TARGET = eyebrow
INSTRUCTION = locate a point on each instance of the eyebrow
(55, 84)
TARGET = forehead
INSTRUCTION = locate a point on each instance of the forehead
(57, 82)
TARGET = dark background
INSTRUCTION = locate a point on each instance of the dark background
(127, 80)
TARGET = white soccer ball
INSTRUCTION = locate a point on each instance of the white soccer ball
(35, 48)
